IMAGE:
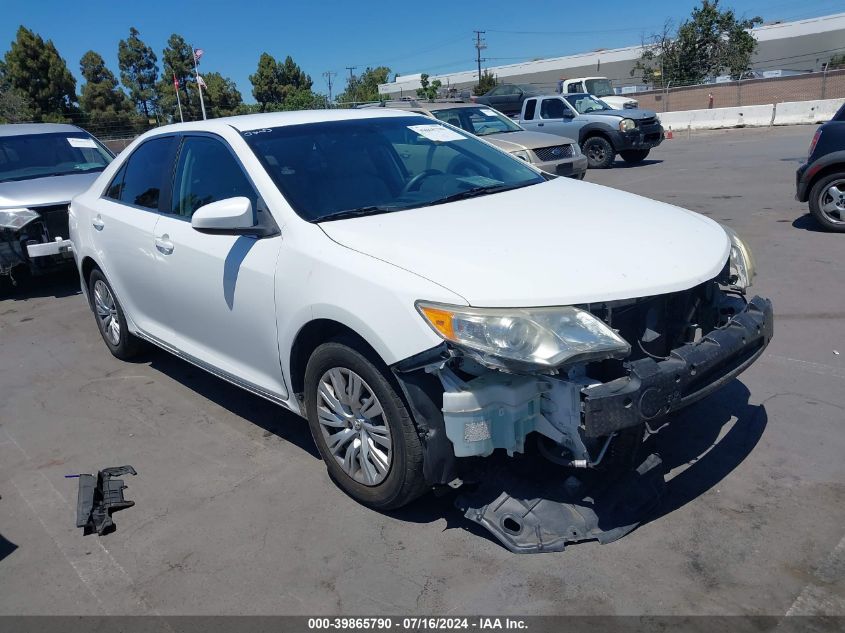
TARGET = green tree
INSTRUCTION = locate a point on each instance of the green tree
(35, 69)
(222, 97)
(274, 84)
(485, 84)
(364, 88)
(138, 71)
(428, 90)
(836, 62)
(14, 105)
(100, 94)
(709, 43)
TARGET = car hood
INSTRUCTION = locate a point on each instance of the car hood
(513, 141)
(41, 192)
(633, 113)
(561, 242)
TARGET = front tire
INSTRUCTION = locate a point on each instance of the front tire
(110, 318)
(599, 152)
(827, 202)
(634, 156)
(362, 428)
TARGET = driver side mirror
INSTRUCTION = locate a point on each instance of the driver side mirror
(232, 216)
(568, 114)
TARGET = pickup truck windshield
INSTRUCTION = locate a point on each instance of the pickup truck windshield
(29, 156)
(585, 104)
(340, 169)
(599, 87)
(478, 121)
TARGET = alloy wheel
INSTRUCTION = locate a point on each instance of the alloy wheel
(354, 426)
(832, 202)
(106, 309)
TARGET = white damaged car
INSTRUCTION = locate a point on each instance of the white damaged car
(425, 300)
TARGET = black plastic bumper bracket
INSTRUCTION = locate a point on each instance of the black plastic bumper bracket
(99, 497)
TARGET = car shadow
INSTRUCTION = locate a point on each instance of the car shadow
(273, 418)
(621, 164)
(63, 283)
(808, 223)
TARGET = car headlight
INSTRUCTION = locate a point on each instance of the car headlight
(576, 151)
(532, 338)
(626, 125)
(743, 269)
(522, 154)
(16, 219)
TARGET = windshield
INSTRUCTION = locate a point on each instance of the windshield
(586, 103)
(478, 121)
(56, 154)
(599, 87)
(339, 169)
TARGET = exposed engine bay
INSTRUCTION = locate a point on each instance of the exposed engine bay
(21, 229)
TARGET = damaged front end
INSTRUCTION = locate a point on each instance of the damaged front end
(577, 423)
(33, 240)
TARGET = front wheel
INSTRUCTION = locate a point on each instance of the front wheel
(110, 318)
(827, 202)
(599, 152)
(634, 156)
(361, 427)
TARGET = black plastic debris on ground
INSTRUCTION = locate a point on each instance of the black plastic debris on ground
(532, 512)
(99, 497)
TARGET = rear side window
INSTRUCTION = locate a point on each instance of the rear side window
(207, 172)
(551, 109)
(116, 186)
(144, 173)
(530, 109)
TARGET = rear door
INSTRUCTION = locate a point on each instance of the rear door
(219, 289)
(124, 226)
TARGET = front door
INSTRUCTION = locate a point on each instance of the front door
(219, 289)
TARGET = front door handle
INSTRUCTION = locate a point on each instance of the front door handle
(540, 124)
(164, 245)
(98, 223)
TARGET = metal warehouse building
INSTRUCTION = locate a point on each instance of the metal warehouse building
(803, 45)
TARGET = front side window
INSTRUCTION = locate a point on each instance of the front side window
(207, 172)
(28, 156)
(552, 109)
(585, 104)
(145, 170)
(478, 121)
(337, 169)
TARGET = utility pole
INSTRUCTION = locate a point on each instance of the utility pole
(350, 69)
(479, 45)
(328, 75)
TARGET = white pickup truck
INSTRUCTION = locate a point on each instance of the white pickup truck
(599, 87)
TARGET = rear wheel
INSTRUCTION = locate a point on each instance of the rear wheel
(827, 202)
(634, 156)
(110, 318)
(361, 427)
(599, 152)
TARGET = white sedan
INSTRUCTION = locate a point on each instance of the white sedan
(419, 295)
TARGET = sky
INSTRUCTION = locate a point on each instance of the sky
(329, 35)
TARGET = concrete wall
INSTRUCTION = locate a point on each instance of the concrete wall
(785, 113)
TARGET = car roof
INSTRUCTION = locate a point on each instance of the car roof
(19, 129)
(430, 106)
(247, 122)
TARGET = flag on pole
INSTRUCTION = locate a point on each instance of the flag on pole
(175, 83)
(201, 83)
(197, 54)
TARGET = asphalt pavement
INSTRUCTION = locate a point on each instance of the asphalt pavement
(235, 513)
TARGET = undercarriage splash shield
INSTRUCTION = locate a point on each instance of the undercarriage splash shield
(531, 514)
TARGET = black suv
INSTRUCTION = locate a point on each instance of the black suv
(821, 180)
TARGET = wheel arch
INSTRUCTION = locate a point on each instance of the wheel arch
(827, 170)
(596, 129)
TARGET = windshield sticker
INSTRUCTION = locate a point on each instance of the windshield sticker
(488, 112)
(81, 142)
(480, 181)
(437, 133)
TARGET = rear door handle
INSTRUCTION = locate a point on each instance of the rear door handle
(98, 223)
(164, 245)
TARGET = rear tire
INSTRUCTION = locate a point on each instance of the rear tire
(362, 428)
(827, 202)
(634, 156)
(599, 152)
(111, 321)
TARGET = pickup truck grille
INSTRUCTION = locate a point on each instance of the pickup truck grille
(555, 152)
(648, 121)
